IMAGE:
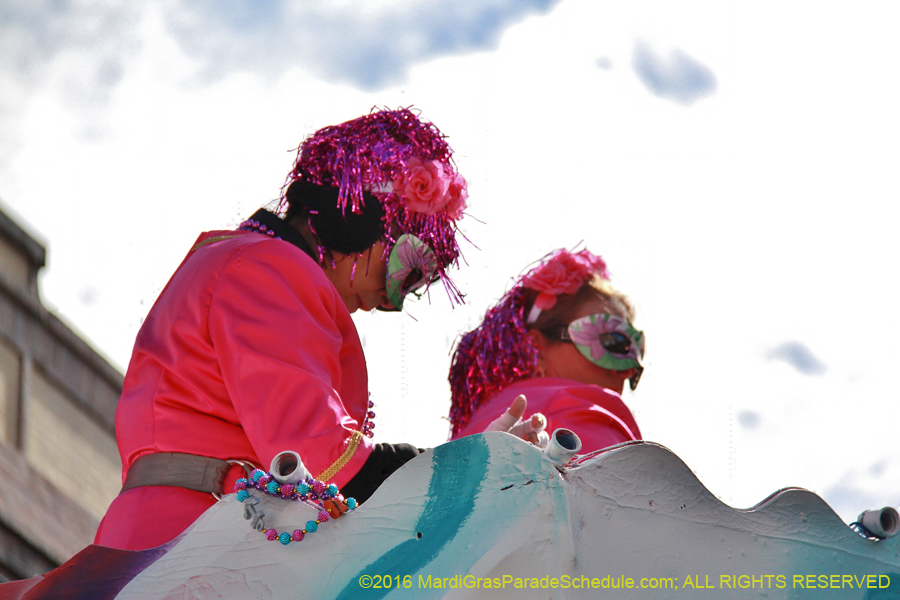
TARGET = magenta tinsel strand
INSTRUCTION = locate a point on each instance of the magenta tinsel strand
(490, 358)
(370, 152)
(437, 230)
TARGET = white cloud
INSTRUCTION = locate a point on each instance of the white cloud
(798, 356)
(677, 77)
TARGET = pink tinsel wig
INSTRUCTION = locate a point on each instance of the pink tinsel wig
(400, 160)
(499, 352)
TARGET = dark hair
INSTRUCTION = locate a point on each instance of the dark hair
(338, 229)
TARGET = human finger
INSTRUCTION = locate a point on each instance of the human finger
(511, 418)
(535, 424)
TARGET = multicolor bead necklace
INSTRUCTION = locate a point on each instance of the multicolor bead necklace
(326, 498)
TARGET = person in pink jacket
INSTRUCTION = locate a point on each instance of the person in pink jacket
(250, 349)
(563, 338)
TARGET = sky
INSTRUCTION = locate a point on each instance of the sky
(734, 163)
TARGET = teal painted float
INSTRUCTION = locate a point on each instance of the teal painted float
(490, 516)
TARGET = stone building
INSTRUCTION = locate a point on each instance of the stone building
(59, 465)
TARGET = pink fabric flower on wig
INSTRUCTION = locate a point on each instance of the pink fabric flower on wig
(424, 184)
(562, 273)
(457, 193)
(594, 264)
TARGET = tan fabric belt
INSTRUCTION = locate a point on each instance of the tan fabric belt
(177, 469)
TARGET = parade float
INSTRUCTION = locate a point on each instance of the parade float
(491, 516)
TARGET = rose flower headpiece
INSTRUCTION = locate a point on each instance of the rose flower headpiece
(387, 175)
(500, 351)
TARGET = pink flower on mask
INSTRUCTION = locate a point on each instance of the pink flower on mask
(589, 335)
(424, 185)
(458, 193)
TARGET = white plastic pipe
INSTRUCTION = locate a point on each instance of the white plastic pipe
(288, 468)
(564, 444)
(884, 523)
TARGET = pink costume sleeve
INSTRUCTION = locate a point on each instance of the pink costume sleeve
(598, 416)
(287, 351)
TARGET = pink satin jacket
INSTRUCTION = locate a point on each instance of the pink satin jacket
(248, 351)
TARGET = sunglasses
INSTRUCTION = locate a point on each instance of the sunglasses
(411, 266)
(607, 341)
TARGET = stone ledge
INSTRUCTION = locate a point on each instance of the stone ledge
(33, 250)
(59, 352)
(34, 509)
